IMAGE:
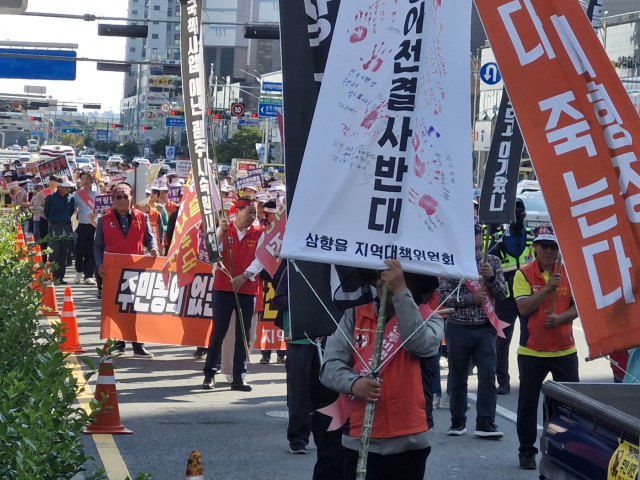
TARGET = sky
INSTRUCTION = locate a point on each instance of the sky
(91, 85)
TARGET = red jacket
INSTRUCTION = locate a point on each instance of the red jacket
(114, 241)
(242, 253)
(401, 409)
(534, 334)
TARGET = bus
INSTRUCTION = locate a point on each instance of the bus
(48, 152)
(32, 144)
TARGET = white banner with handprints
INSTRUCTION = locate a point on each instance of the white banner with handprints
(391, 141)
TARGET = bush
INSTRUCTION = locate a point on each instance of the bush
(39, 423)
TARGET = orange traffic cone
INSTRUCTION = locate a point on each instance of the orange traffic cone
(107, 420)
(70, 325)
(194, 466)
(19, 243)
(49, 303)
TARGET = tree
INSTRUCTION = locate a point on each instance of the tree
(241, 145)
(128, 149)
(72, 139)
(102, 146)
(157, 147)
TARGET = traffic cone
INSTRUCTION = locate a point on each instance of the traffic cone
(194, 466)
(49, 303)
(69, 327)
(19, 243)
(107, 420)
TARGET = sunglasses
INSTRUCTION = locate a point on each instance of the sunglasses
(547, 246)
(122, 197)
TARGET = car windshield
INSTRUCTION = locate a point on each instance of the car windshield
(534, 204)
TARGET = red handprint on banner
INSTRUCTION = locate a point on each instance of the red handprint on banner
(426, 202)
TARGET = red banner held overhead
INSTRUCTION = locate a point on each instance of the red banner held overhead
(268, 251)
(583, 135)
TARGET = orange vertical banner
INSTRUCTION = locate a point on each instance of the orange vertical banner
(583, 135)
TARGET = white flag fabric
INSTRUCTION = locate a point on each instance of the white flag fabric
(387, 167)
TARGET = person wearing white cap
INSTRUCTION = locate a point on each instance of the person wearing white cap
(58, 209)
(249, 191)
(546, 337)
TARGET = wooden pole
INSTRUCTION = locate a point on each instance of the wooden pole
(556, 268)
(367, 424)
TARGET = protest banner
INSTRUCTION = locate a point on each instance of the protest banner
(268, 252)
(137, 306)
(268, 335)
(249, 181)
(582, 132)
(183, 167)
(102, 204)
(56, 166)
(388, 125)
(500, 184)
(154, 169)
(175, 194)
(32, 167)
(306, 31)
(194, 91)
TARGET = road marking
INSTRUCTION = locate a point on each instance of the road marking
(108, 452)
(500, 410)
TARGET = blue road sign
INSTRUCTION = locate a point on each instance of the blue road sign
(33, 69)
(249, 121)
(175, 122)
(269, 109)
(490, 74)
(36, 133)
(101, 135)
(147, 143)
(271, 87)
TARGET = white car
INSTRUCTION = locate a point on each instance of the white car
(85, 163)
(536, 208)
(528, 186)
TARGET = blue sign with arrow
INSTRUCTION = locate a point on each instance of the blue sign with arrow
(269, 109)
(490, 74)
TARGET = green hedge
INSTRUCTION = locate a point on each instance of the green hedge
(39, 422)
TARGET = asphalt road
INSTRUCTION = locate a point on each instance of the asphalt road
(162, 402)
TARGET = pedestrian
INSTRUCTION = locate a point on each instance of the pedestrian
(470, 336)
(400, 437)
(155, 219)
(514, 247)
(124, 229)
(58, 209)
(38, 208)
(21, 200)
(546, 337)
(85, 203)
(238, 241)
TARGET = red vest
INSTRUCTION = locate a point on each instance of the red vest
(171, 207)
(242, 253)
(154, 217)
(114, 241)
(534, 334)
(401, 409)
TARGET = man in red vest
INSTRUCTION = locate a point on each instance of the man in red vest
(546, 337)
(400, 438)
(124, 230)
(239, 241)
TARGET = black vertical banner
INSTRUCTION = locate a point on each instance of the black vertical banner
(594, 12)
(499, 187)
(195, 108)
(305, 37)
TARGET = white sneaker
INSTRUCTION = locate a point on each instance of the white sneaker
(436, 401)
(78, 277)
(90, 281)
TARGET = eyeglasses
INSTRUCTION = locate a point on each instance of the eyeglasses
(122, 197)
(547, 246)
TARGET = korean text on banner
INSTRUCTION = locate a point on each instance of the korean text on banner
(55, 167)
(268, 335)
(183, 167)
(268, 252)
(584, 138)
(136, 305)
(194, 91)
(390, 124)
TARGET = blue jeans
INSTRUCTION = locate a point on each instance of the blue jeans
(477, 343)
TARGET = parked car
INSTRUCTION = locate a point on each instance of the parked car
(528, 186)
(537, 211)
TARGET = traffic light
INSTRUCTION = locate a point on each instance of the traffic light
(177, 113)
(254, 115)
(35, 119)
(146, 128)
(217, 116)
(116, 125)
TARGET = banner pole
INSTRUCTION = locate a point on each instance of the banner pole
(367, 424)
(556, 268)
